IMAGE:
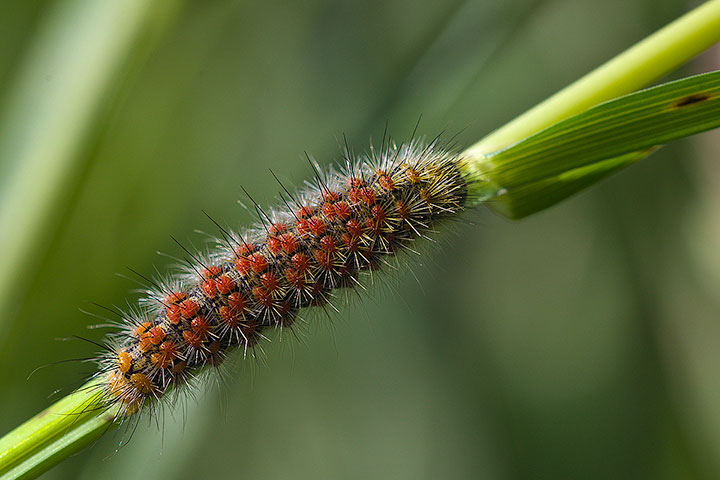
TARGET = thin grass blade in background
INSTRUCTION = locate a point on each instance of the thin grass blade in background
(82, 51)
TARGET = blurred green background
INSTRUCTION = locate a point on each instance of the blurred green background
(579, 343)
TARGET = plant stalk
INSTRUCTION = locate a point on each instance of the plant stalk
(648, 60)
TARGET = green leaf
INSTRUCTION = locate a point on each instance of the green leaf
(574, 153)
(533, 197)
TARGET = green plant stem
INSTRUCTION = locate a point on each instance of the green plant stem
(635, 68)
(56, 432)
(67, 445)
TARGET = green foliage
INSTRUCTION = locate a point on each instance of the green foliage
(567, 157)
(54, 434)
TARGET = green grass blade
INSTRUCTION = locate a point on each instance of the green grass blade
(536, 196)
(60, 430)
(574, 153)
(648, 60)
(75, 440)
(82, 52)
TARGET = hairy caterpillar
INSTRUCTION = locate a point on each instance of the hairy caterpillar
(318, 241)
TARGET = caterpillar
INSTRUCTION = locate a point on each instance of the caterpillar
(322, 239)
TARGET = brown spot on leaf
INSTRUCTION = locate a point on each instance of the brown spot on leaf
(691, 99)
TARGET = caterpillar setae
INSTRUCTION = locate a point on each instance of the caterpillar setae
(343, 225)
